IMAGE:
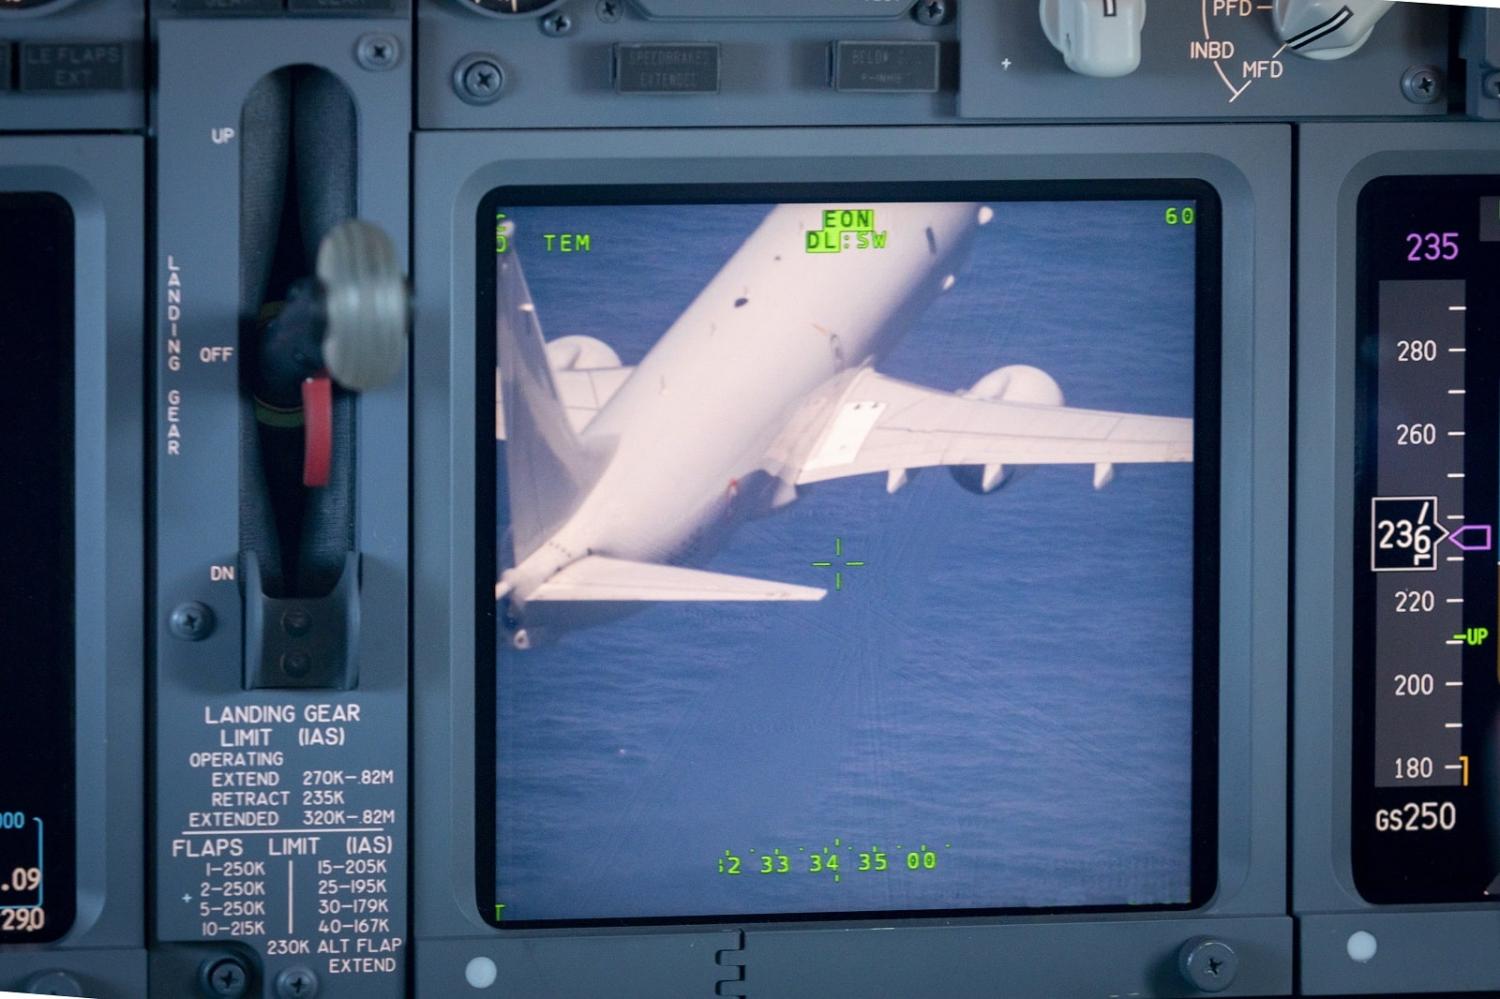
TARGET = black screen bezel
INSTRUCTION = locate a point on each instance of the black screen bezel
(1207, 443)
(43, 735)
(1422, 867)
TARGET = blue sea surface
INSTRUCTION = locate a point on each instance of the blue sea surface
(1006, 684)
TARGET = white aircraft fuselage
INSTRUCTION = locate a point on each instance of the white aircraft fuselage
(705, 413)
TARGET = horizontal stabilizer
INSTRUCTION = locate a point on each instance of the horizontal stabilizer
(597, 578)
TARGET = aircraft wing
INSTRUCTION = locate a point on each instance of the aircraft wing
(883, 424)
(596, 578)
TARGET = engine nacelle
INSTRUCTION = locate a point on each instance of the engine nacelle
(1013, 383)
(1018, 383)
(580, 353)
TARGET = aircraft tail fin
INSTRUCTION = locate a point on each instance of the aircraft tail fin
(596, 578)
(548, 469)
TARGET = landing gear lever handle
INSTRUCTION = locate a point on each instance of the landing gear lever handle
(366, 308)
(349, 322)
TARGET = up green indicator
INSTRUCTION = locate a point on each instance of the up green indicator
(1472, 636)
(838, 567)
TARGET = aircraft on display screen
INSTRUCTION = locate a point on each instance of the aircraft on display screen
(766, 383)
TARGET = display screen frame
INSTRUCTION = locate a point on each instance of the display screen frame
(1423, 949)
(1208, 306)
(101, 177)
(47, 248)
(1421, 866)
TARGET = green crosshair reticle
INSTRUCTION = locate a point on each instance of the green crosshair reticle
(838, 567)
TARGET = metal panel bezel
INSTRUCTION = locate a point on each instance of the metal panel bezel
(1249, 167)
(1420, 948)
(103, 182)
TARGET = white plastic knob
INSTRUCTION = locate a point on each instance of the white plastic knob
(366, 305)
(1099, 38)
(1327, 29)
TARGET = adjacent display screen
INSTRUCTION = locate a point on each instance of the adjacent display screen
(37, 785)
(849, 555)
(1426, 771)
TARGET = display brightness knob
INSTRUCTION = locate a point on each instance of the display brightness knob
(1099, 38)
(1327, 29)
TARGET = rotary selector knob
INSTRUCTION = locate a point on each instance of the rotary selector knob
(1099, 38)
(1327, 29)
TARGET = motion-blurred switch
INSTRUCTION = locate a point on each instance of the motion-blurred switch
(1096, 37)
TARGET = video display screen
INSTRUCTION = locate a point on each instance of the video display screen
(37, 783)
(849, 555)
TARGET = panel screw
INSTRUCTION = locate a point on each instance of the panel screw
(1423, 85)
(609, 11)
(224, 978)
(192, 621)
(296, 983)
(296, 664)
(377, 52)
(52, 983)
(296, 622)
(557, 25)
(478, 79)
(1207, 964)
(1491, 86)
(932, 12)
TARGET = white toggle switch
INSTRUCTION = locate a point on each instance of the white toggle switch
(1327, 29)
(1096, 37)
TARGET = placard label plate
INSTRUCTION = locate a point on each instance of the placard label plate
(667, 68)
(63, 66)
(886, 67)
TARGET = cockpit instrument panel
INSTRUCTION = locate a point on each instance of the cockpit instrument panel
(754, 498)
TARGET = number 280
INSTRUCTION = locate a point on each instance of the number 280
(1431, 246)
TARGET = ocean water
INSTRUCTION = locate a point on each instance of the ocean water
(1006, 685)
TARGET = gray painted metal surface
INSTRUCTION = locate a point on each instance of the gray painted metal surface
(206, 69)
(1209, 59)
(1249, 167)
(771, 73)
(104, 183)
(1420, 948)
(1203, 60)
(75, 102)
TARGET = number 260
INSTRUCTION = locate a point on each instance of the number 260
(1432, 246)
